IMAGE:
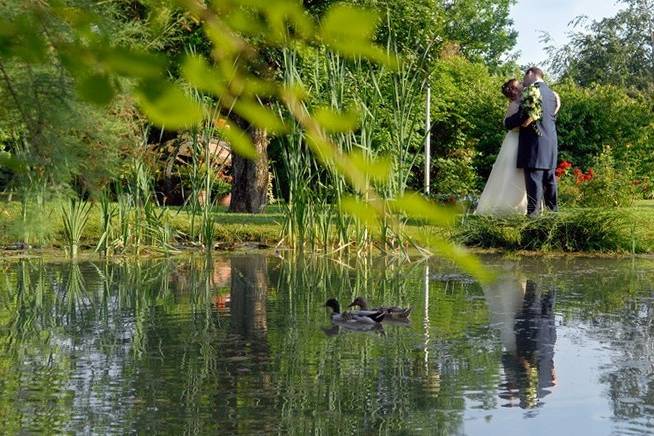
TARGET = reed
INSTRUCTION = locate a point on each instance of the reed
(108, 212)
(313, 218)
(75, 216)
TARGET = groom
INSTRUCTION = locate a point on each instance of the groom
(537, 153)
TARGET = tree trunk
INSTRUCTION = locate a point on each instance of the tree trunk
(250, 177)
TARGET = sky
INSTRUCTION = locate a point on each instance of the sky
(552, 16)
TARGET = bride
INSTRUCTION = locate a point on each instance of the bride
(505, 192)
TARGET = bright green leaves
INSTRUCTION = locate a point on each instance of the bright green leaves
(283, 17)
(416, 206)
(259, 115)
(364, 212)
(334, 121)
(350, 31)
(198, 73)
(376, 170)
(238, 140)
(167, 106)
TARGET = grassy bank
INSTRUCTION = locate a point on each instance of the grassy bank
(230, 228)
(627, 230)
(575, 230)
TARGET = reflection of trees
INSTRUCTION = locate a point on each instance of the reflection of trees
(244, 378)
(141, 346)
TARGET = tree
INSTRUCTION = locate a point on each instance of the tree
(250, 176)
(617, 50)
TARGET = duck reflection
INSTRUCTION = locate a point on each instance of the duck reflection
(524, 315)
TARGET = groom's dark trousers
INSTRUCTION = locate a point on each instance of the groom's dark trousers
(537, 152)
(540, 184)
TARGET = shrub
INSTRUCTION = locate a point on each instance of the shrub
(603, 114)
(602, 185)
(455, 176)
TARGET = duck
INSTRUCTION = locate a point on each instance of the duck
(370, 319)
(391, 313)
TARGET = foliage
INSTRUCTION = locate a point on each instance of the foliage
(605, 114)
(616, 50)
(609, 186)
(467, 113)
(481, 28)
(602, 185)
(75, 216)
(575, 230)
(455, 176)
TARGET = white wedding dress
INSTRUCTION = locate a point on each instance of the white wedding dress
(505, 192)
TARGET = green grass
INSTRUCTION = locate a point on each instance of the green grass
(621, 230)
(231, 229)
(626, 230)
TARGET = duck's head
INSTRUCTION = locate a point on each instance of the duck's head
(359, 301)
(333, 304)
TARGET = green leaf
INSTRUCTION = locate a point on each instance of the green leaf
(334, 121)
(467, 261)
(365, 213)
(416, 206)
(350, 31)
(167, 106)
(132, 63)
(28, 42)
(284, 14)
(378, 170)
(239, 141)
(197, 71)
(259, 115)
(95, 88)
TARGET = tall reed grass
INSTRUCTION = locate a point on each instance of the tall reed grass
(387, 129)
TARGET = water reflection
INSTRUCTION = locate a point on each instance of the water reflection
(523, 313)
(235, 345)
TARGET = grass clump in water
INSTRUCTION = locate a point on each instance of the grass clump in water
(591, 230)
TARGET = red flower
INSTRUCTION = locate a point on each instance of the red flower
(563, 168)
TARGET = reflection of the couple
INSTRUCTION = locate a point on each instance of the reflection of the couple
(524, 315)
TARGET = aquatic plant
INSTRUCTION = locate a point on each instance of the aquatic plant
(75, 215)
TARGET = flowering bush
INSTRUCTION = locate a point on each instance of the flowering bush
(603, 185)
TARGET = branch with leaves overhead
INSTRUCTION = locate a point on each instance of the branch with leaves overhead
(236, 29)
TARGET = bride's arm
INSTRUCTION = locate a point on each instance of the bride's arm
(530, 120)
(558, 103)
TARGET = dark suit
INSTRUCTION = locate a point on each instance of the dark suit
(537, 154)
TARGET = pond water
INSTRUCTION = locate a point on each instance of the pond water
(243, 345)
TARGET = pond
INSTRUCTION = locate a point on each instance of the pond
(244, 345)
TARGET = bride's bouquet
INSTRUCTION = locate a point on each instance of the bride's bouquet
(532, 104)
